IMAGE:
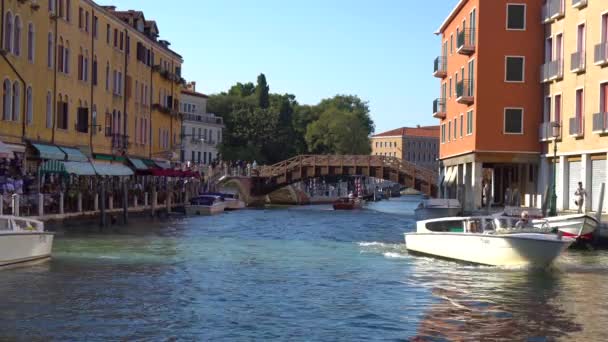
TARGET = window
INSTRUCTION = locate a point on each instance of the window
(115, 37)
(604, 36)
(68, 10)
(559, 51)
(16, 101)
(449, 130)
(514, 69)
(470, 122)
(30, 42)
(6, 100)
(94, 71)
(450, 92)
(49, 50)
(122, 41)
(86, 21)
(17, 41)
(82, 120)
(49, 110)
(107, 76)
(451, 43)
(199, 157)
(193, 160)
(516, 16)
(557, 109)
(80, 18)
(95, 26)
(455, 128)
(52, 6)
(108, 33)
(8, 32)
(580, 106)
(461, 125)
(514, 121)
(62, 113)
(29, 106)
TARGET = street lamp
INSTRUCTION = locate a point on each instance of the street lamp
(555, 133)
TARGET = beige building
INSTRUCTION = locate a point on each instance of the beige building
(418, 145)
(575, 77)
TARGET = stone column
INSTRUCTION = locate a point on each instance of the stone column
(111, 202)
(79, 202)
(15, 203)
(40, 205)
(61, 200)
(135, 202)
(96, 202)
(145, 199)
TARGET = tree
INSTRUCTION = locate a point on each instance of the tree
(242, 90)
(262, 92)
(338, 132)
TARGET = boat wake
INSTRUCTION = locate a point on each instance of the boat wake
(388, 250)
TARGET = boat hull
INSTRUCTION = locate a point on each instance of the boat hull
(234, 204)
(578, 226)
(537, 250)
(205, 210)
(22, 248)
(432, 213)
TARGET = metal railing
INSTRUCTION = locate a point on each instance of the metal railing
(600, 123)
(545, 131)
(577, 126)
(553, 9)
(577, 61)
(440, 66)
(465, 40)
(552, 70)
(438, 106)
(203, 118)
(601, 53)
(464, 89)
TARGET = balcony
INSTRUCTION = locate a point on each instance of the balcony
(600, 123)
(601, 54)
(464, 92)
(465, 41)
(577, 127)
(579, 3)
(120, 142)
(545, 132)
(551, 71)
(161, 108)
(439, 110)
(440, 68)
(209, 118)
(552, 10)
(577, 62)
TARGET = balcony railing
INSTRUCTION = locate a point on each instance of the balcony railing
(579, 3)
(577, 62)
(161, 108)
(600, 123)
(440, 68)
(553, 9)
(464, 92)
(601, 54)
(545, 131)
(210, 118)
(120, 141)
(577, 127)
(552, 71)
(465, 41)
(439, 109)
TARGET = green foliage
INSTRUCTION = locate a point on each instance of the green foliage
(269, 127)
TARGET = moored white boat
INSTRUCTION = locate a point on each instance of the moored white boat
(486, 241)
(23, 241)
(205, 205)
(580, 226)
(437, 208)
(231, 200)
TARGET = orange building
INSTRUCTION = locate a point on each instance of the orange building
(490, 103)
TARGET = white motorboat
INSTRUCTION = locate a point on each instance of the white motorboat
(579, 226)
(437, 208)
(206, 205)
(231, 200)
(487, 241)
(23, 241)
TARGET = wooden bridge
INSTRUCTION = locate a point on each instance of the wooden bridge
(273, 177)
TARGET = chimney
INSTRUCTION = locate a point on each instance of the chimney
(417, 126)
(191, 86)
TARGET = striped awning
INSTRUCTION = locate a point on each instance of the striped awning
(104, 169)
(49, 152)
(74, 154)
(138, 164)
(163, 164)
(67, 168)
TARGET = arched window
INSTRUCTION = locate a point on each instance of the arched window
(29, 106)
(16, 101)
(6, 100)
(108, 76)
(49, 110)
(49, 50)
(30, 42)
(8, 32)
(66, 57)
(60, 55)
(17, 42)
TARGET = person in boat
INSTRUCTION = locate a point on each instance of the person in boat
(524, 221)
(508, 196)
(579, 197)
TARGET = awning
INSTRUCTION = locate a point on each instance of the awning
(74, 154)
(67, 167)
(49, 152)
(138, 164)
(5, 151)
(163, 164)
(104, 169)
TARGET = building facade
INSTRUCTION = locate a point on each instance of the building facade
(201, 131)
(575, 79)
(417, 145)
(490, 99)
(79, 75)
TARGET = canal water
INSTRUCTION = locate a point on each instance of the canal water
(292, 274)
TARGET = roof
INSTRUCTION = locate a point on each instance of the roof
(194, 93)
(450, 17)
(425, 131)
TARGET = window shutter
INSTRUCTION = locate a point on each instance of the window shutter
(94, 80)
(80, 64)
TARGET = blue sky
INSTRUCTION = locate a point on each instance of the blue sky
(381, 51)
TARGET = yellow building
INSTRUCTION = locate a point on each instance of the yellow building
(417, 145)
(77, 74)
(575, 75)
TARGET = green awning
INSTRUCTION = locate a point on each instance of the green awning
(49, 152)
(74, 154)
(138, 164)
(163, 164)
(104, 169)
(67, 168)
(120, 159)
(104, 157)
(150, 163)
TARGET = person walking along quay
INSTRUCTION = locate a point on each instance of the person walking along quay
(579, 197)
